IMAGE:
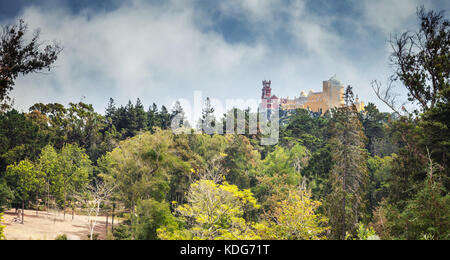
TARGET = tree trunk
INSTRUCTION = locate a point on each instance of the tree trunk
(48, 197)
(112, 218)
(37, 203)
(64, 206)
(23, 209)
(107, 216)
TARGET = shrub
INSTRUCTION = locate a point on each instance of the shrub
(61, 237)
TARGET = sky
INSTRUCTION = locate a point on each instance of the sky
(163, 50)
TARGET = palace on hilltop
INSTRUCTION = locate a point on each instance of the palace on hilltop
(332, 96)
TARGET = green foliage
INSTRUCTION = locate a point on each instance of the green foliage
(374, 125)
(427, 215)
(280, 171)
(364, 233)
(240, 161)
(25, 178)
(6, 195)
(20, 138)
(406, 176)
(348, 176)
(380, 170)
(122, 232)
(295, 218)
(214, 212)
(140, 167)
(151, 215)
(303, 129)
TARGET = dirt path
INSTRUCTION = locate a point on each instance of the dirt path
(46, 226)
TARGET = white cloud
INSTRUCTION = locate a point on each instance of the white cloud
(135, 51)
(163, 52)
(391, 16)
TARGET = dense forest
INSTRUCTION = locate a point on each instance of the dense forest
(343, 175)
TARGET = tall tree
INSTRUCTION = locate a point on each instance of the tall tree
(208, 122)
(153, 117)
(164, 118)
(349, 173)
(141, 117)
(75, 169)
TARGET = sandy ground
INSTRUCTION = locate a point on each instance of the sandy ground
(46, 226)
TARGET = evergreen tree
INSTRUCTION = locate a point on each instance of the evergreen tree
(141, 117)
(208, 122)
(164, 118)
(111, 110)
(177, 111)
(349, 173)
(153, 118)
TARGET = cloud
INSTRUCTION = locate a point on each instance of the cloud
(138, 50)
(164, 50)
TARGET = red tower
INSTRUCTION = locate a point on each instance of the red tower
(267, 100)
(266, 90)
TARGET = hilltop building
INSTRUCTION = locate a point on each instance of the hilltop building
(332, 95)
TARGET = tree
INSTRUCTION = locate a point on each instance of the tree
(141, 117)
(380, 170)
(214, 212)
(20, 138)
(178, 115)
(207, 124)
(6, 194)
(48, 164)
(295, 218)
(96, 194)
(140, 167)
(304, 129)
(164, 118)
(278, 173)
(424, 216)
(75, 169)
(83, 128)
(240, 162)
(421, 59)
(111, 110)
(348, 176)
(153, 117)
(21, 57)
(25, 179)
(150, 216)
(373, 122)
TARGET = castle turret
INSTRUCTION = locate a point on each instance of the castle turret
(266, 90)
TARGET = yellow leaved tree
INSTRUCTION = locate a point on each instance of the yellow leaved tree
(2, 235)
(214, 212)
(295, 218)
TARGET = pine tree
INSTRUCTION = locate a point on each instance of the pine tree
(164, 118)
(141, 116)
(110, 109)
(208, 122)
(349, 173)
(153, 117)
(177, 110)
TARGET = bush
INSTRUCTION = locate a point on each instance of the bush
(95, 236)
(122, 232)
(2, 236)
(61, 237)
